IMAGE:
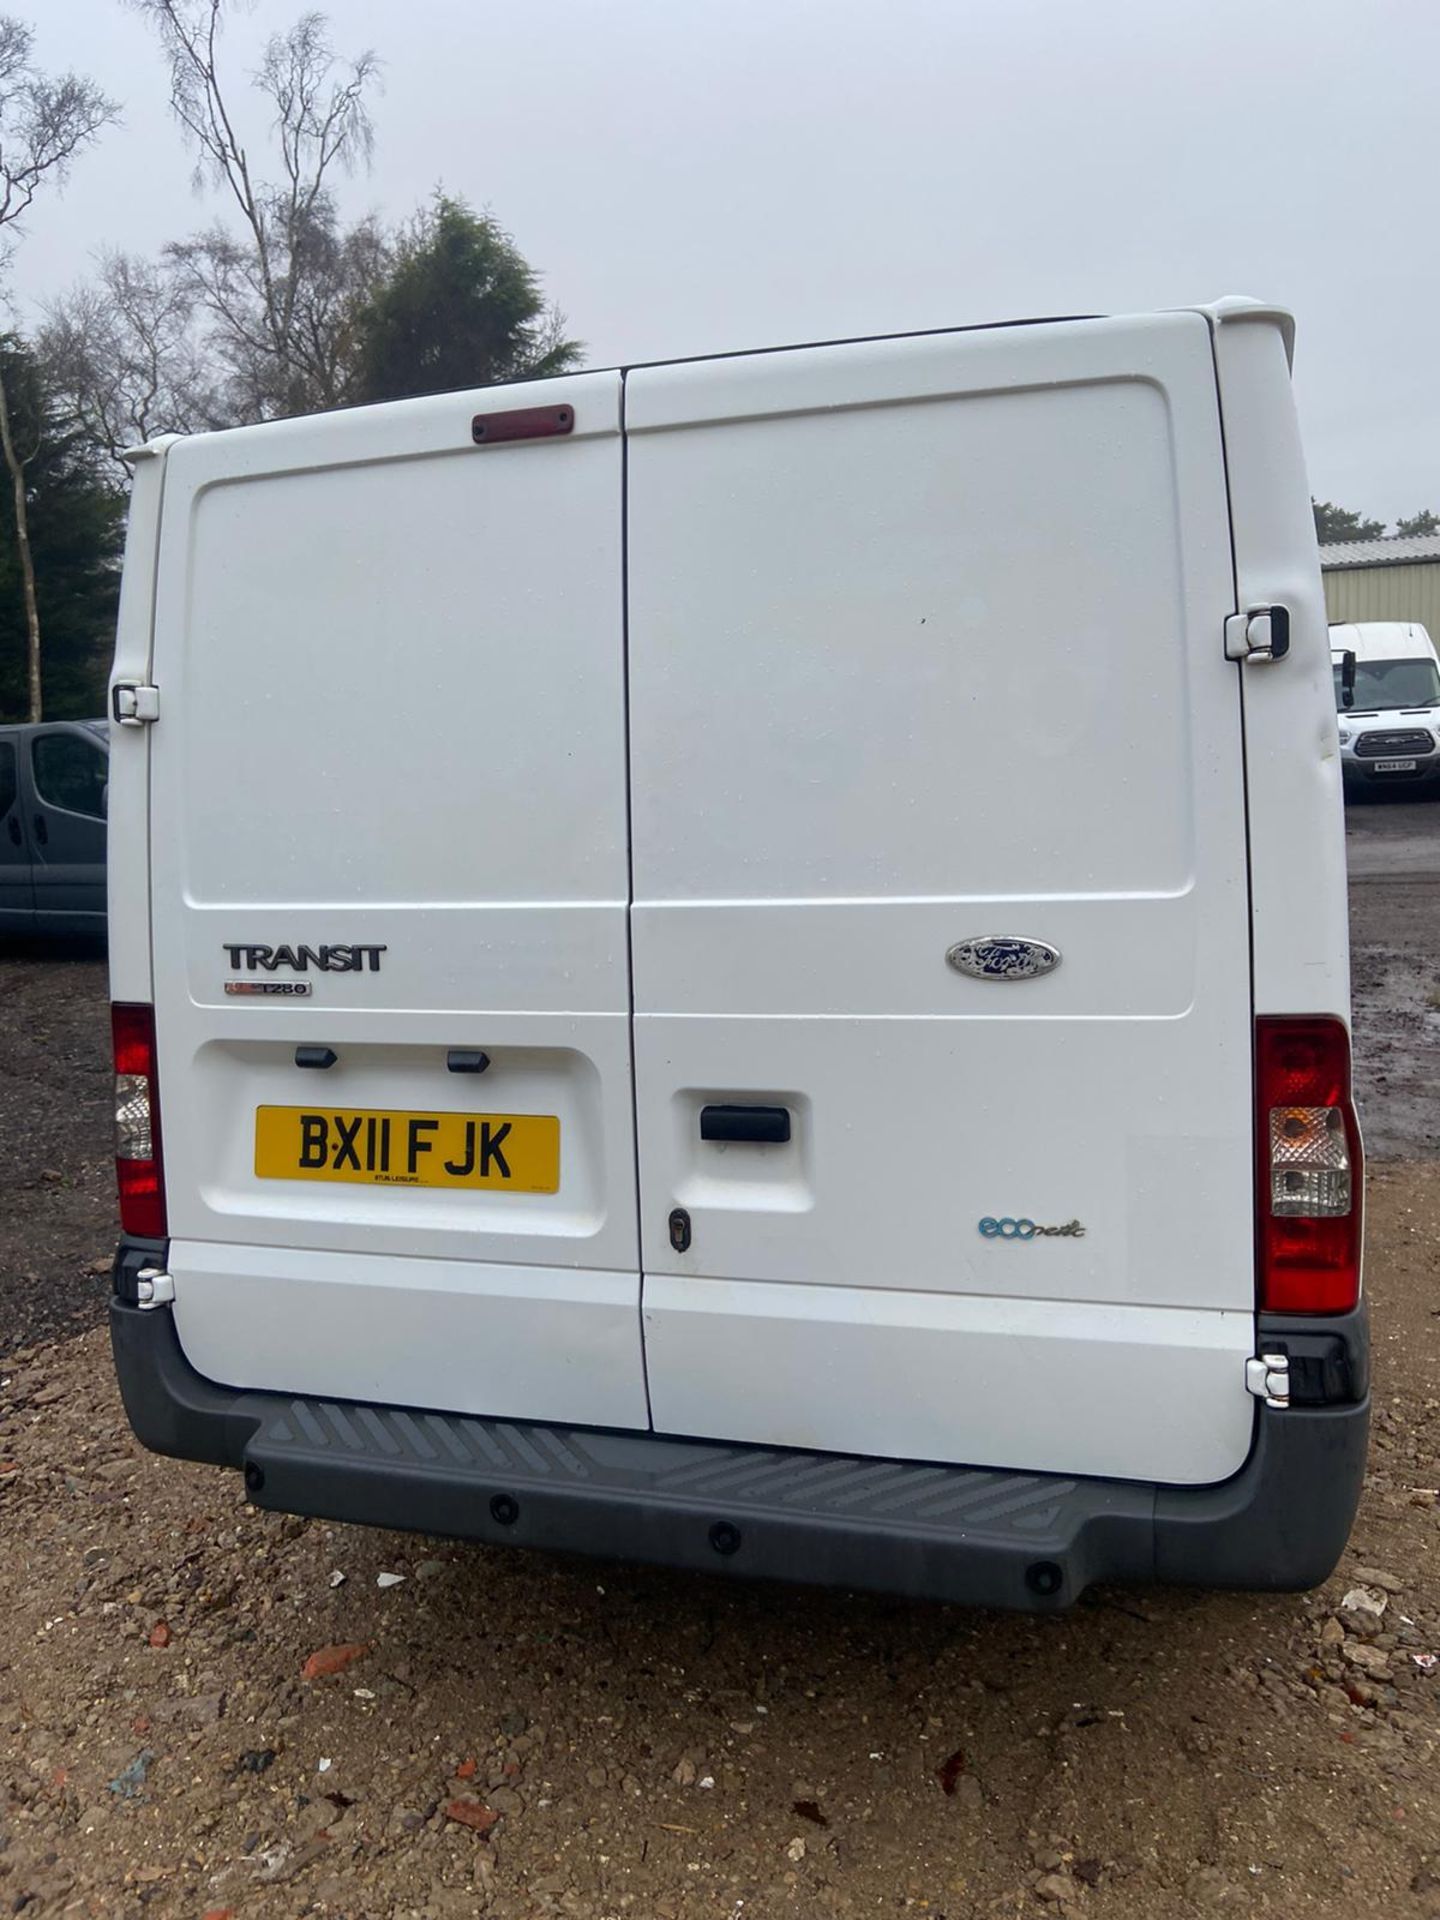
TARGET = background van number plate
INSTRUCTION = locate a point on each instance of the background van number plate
(514, 1152)
(1394, 766)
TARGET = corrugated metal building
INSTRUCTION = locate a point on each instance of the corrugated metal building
(1396, 579)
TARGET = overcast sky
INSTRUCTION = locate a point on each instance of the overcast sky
(692, 175)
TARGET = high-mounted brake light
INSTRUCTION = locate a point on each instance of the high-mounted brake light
(138, 1167)
(521, 423)
(1311, 1166)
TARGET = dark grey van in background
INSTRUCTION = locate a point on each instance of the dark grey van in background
(53, 782)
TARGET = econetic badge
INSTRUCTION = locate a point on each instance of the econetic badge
(997, 956)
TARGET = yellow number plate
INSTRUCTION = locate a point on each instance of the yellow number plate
(517, 1152)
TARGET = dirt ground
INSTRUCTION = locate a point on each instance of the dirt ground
(523, 1735)
(57, 1230)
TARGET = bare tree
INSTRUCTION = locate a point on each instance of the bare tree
(275, 294)
(44, 122)
(124, 361)
(328, 273)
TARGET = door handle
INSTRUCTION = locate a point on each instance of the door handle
(42, 832)
(760, 1126)
(13, 824)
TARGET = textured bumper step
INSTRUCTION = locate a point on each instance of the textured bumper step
(1011, 1538)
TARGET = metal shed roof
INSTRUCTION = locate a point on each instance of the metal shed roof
(1397, 551)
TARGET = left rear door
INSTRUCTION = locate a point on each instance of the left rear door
(392, 732)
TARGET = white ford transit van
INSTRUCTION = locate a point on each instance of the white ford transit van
(1387, 689)
(743, 963)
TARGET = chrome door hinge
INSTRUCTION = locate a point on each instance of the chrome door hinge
(154, 1288)
(1268, 1378)
(134, 705)
(1261, 634)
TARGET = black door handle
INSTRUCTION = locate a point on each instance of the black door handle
(14, 825)
(762, 1126)
(42, 832)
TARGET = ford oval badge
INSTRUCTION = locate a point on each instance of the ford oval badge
(994, 956)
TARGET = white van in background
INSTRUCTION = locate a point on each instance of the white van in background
(744, 963)
(1387, 691)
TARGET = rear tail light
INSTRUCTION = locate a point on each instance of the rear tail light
(1311, 1166)
(138, 1167)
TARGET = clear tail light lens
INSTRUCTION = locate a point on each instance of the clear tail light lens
(138, 1169)
(1311, 1166)
(1309, 1162)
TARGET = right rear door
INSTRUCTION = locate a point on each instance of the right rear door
(925, 644)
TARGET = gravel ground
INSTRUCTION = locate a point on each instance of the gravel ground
(57, 1232)
(523, 1735)
(669, 1745)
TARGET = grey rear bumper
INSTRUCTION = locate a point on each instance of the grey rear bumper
(979, 1536)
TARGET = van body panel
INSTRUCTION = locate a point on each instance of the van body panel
(926, 644)
(472, 1336)
(129, 908)
(1299, 922)
(390, 783)
(910, 1366)
(574, 1067)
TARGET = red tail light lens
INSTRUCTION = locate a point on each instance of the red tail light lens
(1311, 1168)
(138, 1168)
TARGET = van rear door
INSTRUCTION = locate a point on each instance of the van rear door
(389, 906)
(926, 648)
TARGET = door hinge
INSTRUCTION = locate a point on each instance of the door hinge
(1262, 634)
(134, 705)
(154, 1288)
(1267, 1376)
